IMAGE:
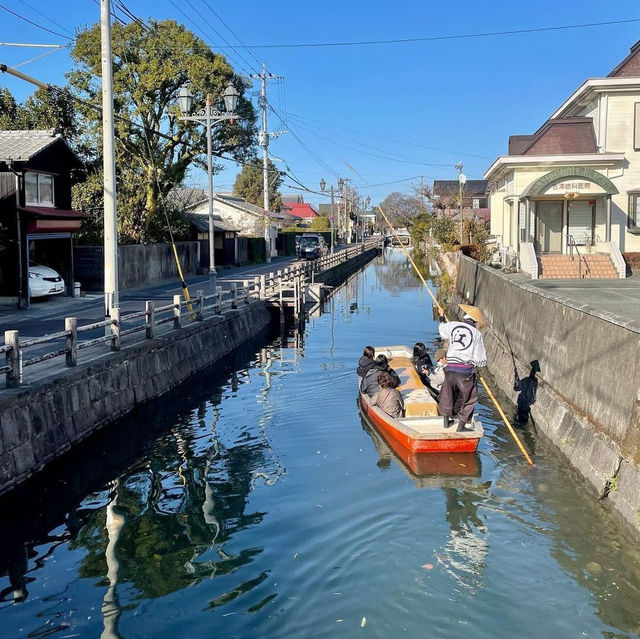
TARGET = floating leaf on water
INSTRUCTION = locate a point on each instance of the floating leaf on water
(339, 620)
(363, 623)
(157, 557)
(427, 566)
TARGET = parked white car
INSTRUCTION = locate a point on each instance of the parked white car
(44, 281)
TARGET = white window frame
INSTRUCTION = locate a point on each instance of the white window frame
(636, 126)
(40, 178)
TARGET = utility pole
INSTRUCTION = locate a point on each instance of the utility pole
(111, 296)
(263, 141)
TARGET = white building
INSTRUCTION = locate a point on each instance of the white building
(573, 187)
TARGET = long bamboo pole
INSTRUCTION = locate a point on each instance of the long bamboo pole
(484, 383)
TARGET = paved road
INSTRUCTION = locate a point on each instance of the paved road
(47, 315)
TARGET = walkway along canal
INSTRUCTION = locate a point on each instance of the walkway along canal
(253, 501)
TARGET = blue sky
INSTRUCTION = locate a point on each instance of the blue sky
(378, 113)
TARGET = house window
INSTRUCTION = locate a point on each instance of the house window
(38, 189)
(633, 221)
(476, 203)
(636, 126)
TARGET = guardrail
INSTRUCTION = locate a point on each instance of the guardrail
(195, 310)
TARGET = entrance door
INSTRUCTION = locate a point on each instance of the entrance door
(581, 222)
(549, 227)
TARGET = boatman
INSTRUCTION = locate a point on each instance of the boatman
(459, 393)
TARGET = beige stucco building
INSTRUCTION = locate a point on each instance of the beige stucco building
(573, 187)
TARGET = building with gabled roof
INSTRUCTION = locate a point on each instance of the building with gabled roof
(37, 171)
(574, 184)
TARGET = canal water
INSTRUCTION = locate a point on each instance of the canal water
(254, 502)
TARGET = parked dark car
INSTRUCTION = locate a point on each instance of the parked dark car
(311, 246)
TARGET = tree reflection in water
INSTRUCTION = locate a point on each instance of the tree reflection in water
(162, 523)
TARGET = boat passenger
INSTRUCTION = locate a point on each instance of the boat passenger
(366, 362)
(370, 382)
(436, 376)
(465, 354)
(421, 360)
(388, 398)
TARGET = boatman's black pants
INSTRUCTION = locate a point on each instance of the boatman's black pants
(458, 396)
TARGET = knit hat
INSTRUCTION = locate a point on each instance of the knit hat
(440, 353)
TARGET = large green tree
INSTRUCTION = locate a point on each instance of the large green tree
(155, 148)
(249, 185)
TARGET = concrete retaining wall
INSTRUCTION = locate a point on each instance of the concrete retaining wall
(587, 401)
(42, 421)
(138, 264)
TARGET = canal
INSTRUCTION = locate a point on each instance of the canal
(254, 502)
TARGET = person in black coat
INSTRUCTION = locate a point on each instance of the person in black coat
(366, 362)
(370, 384)
(421, 361)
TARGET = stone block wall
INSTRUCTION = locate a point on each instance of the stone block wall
(587, 400)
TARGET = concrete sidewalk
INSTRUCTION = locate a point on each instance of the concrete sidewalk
(617, 300)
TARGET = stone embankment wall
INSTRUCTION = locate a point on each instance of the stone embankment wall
(587, 400)
(40, 422)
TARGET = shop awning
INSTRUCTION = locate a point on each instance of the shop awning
(45, 219)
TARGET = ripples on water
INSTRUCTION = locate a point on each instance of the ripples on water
(254, 502)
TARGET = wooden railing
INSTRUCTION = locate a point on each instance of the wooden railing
(148, 320)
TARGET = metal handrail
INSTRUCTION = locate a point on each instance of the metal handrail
(571, 244)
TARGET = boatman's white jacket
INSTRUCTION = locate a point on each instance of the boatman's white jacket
(466, 345)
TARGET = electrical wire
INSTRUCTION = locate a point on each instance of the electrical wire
(35, 24)
(311, 121)
(38, 57)
(46, 17)
(462, 36)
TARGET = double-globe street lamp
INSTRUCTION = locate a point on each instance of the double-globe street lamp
(323, 185)
(462, 180)
(209, 116)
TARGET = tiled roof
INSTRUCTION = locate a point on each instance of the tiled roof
(451, 187)
(301, 209)
(562, 136)
(201, 222)
(630, 66)
(21, 146)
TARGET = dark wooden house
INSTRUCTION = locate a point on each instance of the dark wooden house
(37, 170)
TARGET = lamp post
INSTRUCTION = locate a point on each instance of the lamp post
(209, 116)
(366, 202)
(462, 180)
(323, 185)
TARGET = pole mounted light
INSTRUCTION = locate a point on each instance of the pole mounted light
(462, 180)
(209, 117)
(323, 185)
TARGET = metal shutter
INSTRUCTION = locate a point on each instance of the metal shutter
(580, 221)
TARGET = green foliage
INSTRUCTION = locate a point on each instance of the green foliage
(8, 110)
(445, 232)
(420, 228)
(150, 64)
(249, 185)
(320, 223)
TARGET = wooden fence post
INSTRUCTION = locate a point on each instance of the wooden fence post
(149, 318)
(116, 341)
(234, 295)
(247, 292)
(263, 287)
(71, 327)
(14, 376)
(177, 311)
(218, 300)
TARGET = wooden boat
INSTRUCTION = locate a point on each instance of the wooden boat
(424, 469)
(421, 430)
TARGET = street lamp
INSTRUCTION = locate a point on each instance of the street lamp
(462, 180)
(323, 185)
(209, 116)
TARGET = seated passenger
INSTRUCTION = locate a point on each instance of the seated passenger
(421, 360)
(366, 362)
(370, 382)
(436, 376)
(388, 398)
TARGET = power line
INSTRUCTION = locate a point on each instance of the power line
(485, 34)
(232, 32)
(45, 17)
(35, 24)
